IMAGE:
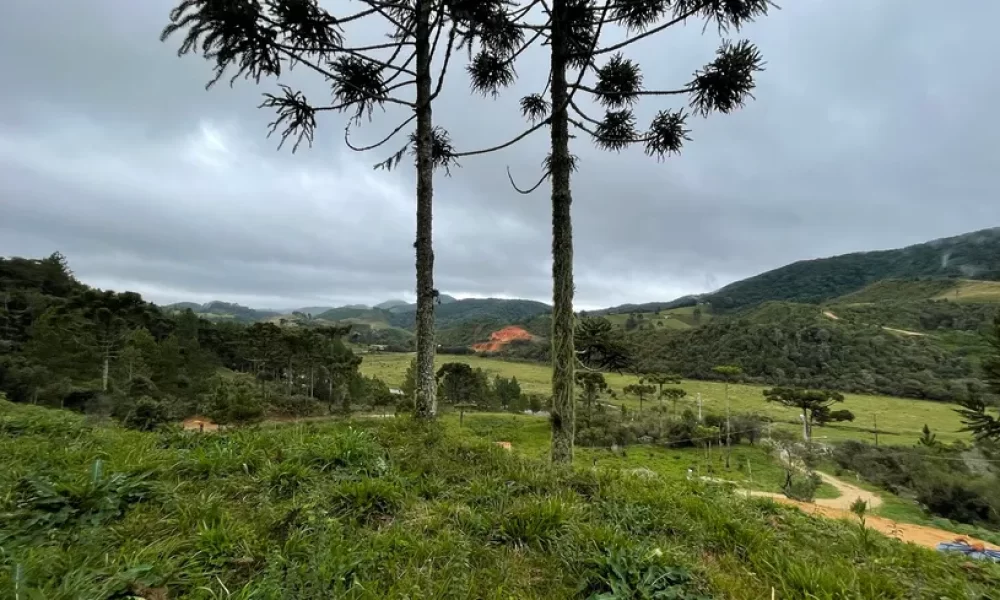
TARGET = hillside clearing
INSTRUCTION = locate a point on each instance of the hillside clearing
(968, 290)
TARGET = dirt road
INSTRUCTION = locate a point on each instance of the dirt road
(830, 315)
(839, 508)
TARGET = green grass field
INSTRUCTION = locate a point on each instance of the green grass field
(968, 290)
(900, 420)
(386, 509)
(751, 467)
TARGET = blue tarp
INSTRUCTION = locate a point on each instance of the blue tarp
(969, 551)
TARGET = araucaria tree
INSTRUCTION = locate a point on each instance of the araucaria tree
(814, 404)
(592, 386)
(583, 67)
(983, 425)
(258, 39)
(640, 391)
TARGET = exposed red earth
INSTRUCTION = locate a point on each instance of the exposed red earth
(499, 339)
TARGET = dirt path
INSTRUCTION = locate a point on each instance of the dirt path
(830, 315)
(902, 331)
(839, 508)
(848, 495)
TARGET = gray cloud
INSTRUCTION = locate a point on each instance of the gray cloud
(871, 129)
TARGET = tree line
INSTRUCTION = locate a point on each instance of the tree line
(65, 344)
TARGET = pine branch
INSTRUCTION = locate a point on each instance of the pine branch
(447, 60)
(385, 65)
(395, 54)
(582, 114)
(378, 46)
(506, 144)
(527, 191)
(685, 90)
(347, 133)
(333, 77)
(381, 8)
(355, 16)
(682, 17)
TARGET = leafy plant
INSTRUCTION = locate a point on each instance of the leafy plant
(44, 508)
(633, 574)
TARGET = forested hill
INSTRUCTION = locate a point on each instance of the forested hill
(65, 344)
(851, 350)
(973, 255)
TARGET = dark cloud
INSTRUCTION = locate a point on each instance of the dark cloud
(872, 128)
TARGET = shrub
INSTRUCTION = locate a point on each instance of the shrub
(296, 406)
(367, 500)
(234, 400)
(146, 414)
(802, 488)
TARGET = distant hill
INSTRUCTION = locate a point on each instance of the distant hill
(348, 312)
(194, 306)
(217, 310)
(313, 310)
(399, 306)
(500, 310)
(390, 304)
(646, 307)
(973, 255)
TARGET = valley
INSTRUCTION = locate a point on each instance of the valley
(681, 461)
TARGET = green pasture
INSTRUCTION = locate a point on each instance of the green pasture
(899, 420)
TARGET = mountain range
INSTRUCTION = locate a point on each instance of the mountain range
(971, 256)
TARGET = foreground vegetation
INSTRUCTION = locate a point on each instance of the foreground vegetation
(393, 510)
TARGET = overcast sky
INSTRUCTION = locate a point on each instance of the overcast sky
(873, 128)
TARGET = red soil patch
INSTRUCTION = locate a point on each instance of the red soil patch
(499, 339)
(199, 424)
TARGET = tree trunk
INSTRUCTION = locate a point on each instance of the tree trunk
(729, 429)
(563, 353)
(806, 434)
(105, 371)
(345, 398)
(426, 401)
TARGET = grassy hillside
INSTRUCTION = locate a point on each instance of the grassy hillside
(674, 318)
(391, 510)
(899, 290)
(647, 307)
(912, 290)
(968, 290)
(970, 255)
(900, 420)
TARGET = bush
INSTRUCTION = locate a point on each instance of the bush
(802, 488)
(975, 501)
(296, 406)
(146, 414)
(234, 400)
